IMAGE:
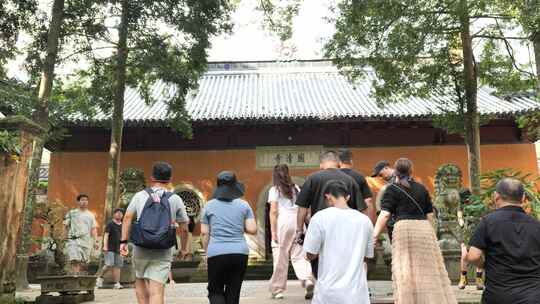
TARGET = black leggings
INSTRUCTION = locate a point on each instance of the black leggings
(225, 276)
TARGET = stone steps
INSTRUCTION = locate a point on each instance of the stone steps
(257, 270)
(262, 270)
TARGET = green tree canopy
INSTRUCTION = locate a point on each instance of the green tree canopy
(421, 47)
(418, 47)
(153, 42)
(21, 94)
(14, 16)
(167, 41)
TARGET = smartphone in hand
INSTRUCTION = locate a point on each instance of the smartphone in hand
(300, 239)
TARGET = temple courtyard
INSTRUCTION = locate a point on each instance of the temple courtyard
(253, 292)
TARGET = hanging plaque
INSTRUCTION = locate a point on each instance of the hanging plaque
(293, 156)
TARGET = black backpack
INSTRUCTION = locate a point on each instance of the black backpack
(155, 228)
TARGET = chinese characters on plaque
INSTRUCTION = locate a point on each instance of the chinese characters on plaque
(293, 156)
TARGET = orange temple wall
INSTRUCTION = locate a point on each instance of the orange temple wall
(72, 173)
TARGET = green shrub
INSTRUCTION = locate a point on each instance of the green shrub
(43, 185)
(482, 204)
(9, 143)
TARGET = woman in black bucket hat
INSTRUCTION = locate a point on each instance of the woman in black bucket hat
(224, 221)
(228, 188)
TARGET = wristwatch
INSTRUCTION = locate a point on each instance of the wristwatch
(123, 242)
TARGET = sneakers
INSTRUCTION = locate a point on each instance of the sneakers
(277, 296)
(99, 282)
(463, 282)
(118, 286)
(479, 283)
(309, 291)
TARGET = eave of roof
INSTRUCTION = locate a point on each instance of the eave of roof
(272, 93)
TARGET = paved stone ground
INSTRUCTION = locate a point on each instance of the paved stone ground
(253, 292)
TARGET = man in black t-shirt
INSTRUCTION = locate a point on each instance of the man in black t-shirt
(384, 170)
(111, 250)
(346, 166)
(509, 241)
(312, 194)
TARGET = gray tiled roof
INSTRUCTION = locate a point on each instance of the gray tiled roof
(297, 93)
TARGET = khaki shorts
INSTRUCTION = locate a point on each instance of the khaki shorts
(154, 270)
(77, 253)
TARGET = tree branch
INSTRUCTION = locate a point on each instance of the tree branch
(86, 51)
(491, 17)
(267, 13)
(499, 37)
(510, 52)
(385, 29)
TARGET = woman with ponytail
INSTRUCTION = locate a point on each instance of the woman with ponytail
(283, 212)
(418, 272)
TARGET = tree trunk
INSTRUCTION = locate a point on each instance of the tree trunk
(41, 117)
(117, 123)
(536, 44)
(472, 121)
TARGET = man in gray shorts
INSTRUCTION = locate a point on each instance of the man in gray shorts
(81, 228)
(152, 266)
(111, 250)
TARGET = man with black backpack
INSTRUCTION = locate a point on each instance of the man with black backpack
(154, 213)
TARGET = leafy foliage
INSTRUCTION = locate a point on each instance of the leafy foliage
(527, 14)
(19, 97)
(413, 48)
(408, 45)
(531, 124)
(79, 25)
(167, 43)
(16, 98)
(9, 143)
(43, 185)
(14, 16)
(483, 203)
(498, 70)
(424, 47)
(278, 16)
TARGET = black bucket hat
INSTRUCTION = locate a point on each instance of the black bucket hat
(228, 188)
(379, 167)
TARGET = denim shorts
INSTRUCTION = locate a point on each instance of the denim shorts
(113, 259)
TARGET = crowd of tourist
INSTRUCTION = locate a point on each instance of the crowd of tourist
(328, 229)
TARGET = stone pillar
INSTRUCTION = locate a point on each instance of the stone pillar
(13, 180)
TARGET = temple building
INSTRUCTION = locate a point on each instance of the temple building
(249, 116)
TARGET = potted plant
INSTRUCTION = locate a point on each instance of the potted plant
(72, 288)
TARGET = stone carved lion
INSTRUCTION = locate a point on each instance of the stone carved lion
(448, 184)
(448, 202)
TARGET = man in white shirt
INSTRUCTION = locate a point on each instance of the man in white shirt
(81, 227)
(342, 238)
